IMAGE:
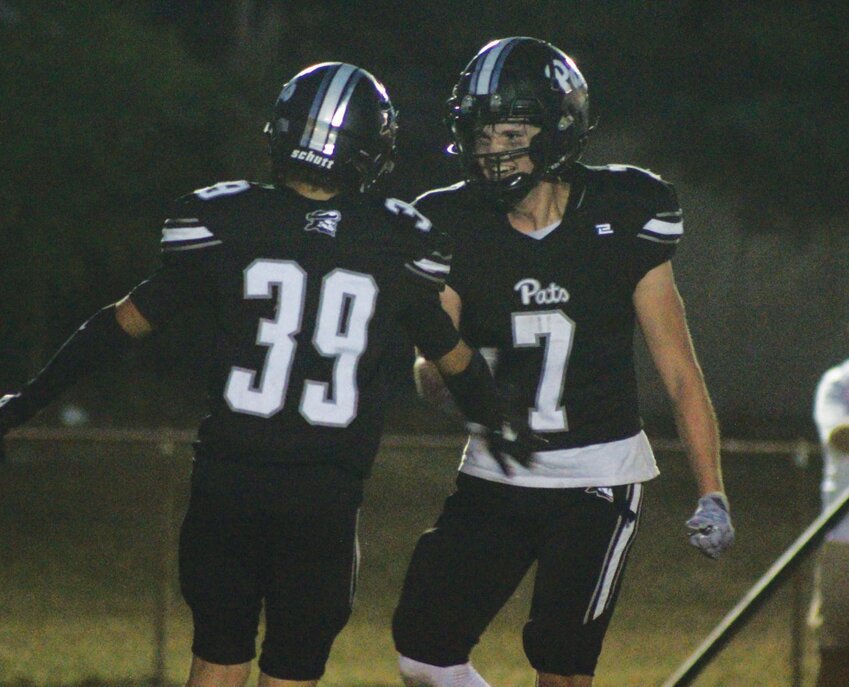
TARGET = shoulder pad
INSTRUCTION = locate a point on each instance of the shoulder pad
(401, 208)
(188, 226)
(444, 206)
(437, 192)
(633, 171)
(655, 198)
(194, 217)
(202, 199)
(639, 181)
(220, 190)
(430, 257)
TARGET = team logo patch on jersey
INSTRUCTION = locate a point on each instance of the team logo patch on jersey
(603, 229)
(532, 291)
(605, 493)
(323, 221)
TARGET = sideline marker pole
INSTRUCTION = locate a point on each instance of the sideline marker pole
(759, 592)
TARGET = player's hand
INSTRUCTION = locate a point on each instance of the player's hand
(11, 415)
(431, 389)
(710, 529)
(13, 412)
(513, 440)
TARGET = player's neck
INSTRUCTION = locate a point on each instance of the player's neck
(542, 207)
(311, 191)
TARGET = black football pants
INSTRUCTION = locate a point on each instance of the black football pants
(489, 534)
(282, 536)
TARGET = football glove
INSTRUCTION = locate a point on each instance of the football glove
(12, 414)
(710, 529)
(513, 440)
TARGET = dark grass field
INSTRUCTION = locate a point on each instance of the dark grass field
(86, 558)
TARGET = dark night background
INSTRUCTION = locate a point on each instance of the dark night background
(110, 109)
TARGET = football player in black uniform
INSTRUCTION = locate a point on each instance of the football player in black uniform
(310, 281)
(553, 264)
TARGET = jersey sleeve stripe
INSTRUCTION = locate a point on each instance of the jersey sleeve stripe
(659, 239)
(182, 222)
(430, 266)
(185, 234)
(190, 246)
(662, 232)
(656, 226)
(430, 276)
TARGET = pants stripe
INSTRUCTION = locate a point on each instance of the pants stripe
(617, 552)
(355, 563)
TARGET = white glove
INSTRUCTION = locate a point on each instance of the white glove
(710, 529)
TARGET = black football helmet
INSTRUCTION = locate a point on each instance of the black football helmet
(337, 119)
(519, 80)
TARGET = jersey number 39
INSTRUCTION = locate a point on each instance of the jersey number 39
(346, 306)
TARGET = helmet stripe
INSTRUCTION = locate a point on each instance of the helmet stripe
(341, 110)
(329, 108)
(316, 105)
(333, 108)
(488, 70)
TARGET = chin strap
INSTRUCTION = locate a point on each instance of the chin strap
(507, 193)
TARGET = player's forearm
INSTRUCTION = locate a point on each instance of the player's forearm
(699, 432)
(97, 340)
(431, 388)
(471, 385)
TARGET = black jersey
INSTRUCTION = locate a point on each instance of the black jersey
(559, 309)
(307, 297)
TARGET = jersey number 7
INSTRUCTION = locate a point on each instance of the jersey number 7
(557, 331)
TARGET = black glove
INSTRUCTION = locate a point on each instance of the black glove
(13, 412)
(514, 440)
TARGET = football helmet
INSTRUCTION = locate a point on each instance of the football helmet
(337, 119)
(519, 80)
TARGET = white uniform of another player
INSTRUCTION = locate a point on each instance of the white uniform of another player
(831, 414)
